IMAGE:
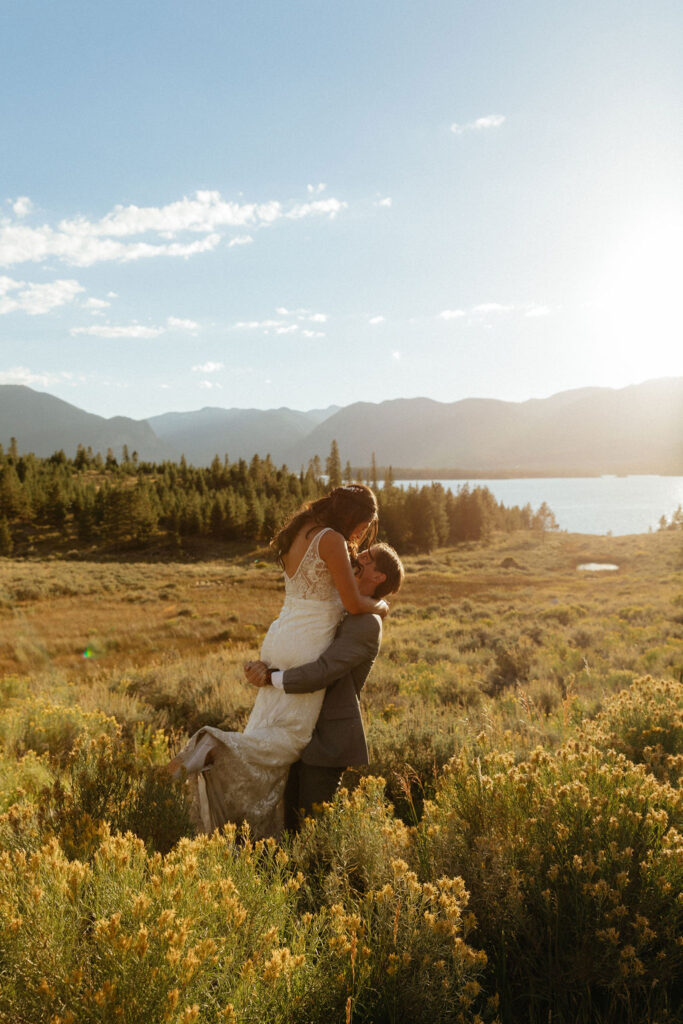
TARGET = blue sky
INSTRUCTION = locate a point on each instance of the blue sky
(318, 203)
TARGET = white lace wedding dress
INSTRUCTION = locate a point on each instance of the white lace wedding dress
(248, 770)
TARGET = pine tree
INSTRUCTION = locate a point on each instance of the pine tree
(333, 467)
(6, 545)
(255, 515)
(373, 473)
(143, 513)
(11, 494)
(217, 516)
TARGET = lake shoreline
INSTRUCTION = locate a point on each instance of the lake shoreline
(591, 506)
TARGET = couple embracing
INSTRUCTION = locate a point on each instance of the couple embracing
(305, 727)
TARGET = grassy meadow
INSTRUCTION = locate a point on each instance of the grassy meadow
(513, 852)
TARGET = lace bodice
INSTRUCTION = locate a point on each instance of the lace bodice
(312, 579)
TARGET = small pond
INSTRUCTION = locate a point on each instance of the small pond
(597, 567)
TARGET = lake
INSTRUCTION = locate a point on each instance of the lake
(601, 504)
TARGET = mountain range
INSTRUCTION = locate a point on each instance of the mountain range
(637, 429)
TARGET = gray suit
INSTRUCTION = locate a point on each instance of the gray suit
(339, 738)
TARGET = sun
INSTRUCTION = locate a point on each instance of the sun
(640, 290)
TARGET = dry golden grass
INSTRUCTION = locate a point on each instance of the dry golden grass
(51, 612)
(358, 919)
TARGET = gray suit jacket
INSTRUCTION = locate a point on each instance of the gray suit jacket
(339, 738)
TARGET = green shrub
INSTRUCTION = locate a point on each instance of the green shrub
(400, 944)
(108, 781)
(574, 867)
(512, 665)
(644, 722)
(212, 929)
(22, 779)
(49, 728)
(408, 748)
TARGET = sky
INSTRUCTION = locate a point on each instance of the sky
(320, 202)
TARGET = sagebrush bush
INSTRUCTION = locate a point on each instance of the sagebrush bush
(408, 749)
(23, 778)
(574, 865)
(214, 925)
(644, 722)
(47, 727)
(122, 785)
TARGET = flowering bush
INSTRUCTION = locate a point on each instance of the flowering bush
(107, 780)
(212, 932)
(34, 723)
(644, 722)
(574, 866)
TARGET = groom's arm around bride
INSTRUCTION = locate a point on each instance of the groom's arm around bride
(338, 740)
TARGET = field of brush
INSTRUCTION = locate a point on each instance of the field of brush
(512, 853)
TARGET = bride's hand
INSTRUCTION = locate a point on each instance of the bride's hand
(382, 609)
(255, 671)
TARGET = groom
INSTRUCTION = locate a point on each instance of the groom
(339, 738)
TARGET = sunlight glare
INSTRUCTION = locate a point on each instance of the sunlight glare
(641, 313)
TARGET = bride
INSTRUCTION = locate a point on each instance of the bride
(237, 776)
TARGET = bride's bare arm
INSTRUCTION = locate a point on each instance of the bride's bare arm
(335, 554)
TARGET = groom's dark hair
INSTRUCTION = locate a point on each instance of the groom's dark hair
(388, 562)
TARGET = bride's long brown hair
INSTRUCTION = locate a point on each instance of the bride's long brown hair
(343, 509)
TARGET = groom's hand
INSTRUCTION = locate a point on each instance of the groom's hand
(256, 673)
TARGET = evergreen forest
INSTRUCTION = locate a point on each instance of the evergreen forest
(89, 505)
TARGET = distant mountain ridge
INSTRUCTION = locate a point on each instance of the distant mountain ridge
(638, 429)
(240, 431)
(43, 424)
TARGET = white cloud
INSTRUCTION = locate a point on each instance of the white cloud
(481, 124)
(7, 284)
(292, 320)
(19, 244)
(331, 207)
(22, 206)
(22, 375)
(129, 331)
(96, 304)
(386, 201)
(315, 190)
(208, 367)
(487, 309)
(376, 320)
(396, 355)
(175, 323)
(82, 242)
(209, 384)
(255, 325)
(36, 299)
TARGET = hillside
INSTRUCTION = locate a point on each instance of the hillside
(638, 429)
(43, 424)
(594, 430)
(238, 432)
